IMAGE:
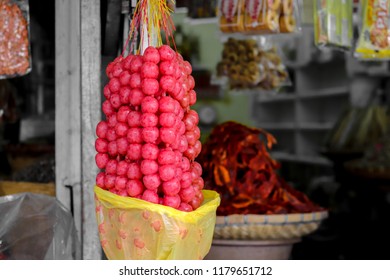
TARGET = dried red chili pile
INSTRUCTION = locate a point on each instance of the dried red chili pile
(237, 165)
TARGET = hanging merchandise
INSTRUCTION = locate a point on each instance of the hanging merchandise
(262, 16)
(374, 42)
(252, 64)
(259, 16)
(333, 23)
(15, 59)
(231, 15)
(275, 72)
(346, 27)
(202, 8)
(358, 128)
(289, 18)
(375, 162)
(149, 194)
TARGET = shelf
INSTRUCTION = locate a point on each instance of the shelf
(337, 91)
(265, 97)
(200, 21)
(315, 126)
(238, 36)
(322, 93)
(219, 81)
(276, 37)
(181, 10)
(283, 156)
(276, 126)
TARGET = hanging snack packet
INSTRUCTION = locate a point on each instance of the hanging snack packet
(276, 74)
(239, 63)
(289, 16)
(15, 59)
(325, 17)
(374, 41)
(262, 17)
(333, 23)
(346, 27)
(231, 15)
(252, 64)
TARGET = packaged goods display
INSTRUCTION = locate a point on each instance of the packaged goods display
(15, 59)
(262, 16)
(252, 64)
(333, 23)
(238, 166)
(231, 15)
(346, 27)
(258, 16)
(288, 17)
(374, 40)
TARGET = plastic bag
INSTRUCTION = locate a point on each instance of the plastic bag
(135, 229)
(231, 15)
(262, 16)
(289, 21)
(358, 127)
(36, 226)
(253, 64)
(259, 16)
(276, 74)
(240, 62)
(374, 40)
(333, 23)
(15, 58)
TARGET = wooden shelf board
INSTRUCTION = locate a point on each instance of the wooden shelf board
(181, 10)
(337, 91)
(265, 97)
(283, 156)
(276, 126)
(200, 21)
(315, 126)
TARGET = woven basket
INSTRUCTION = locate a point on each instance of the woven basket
(267, 227)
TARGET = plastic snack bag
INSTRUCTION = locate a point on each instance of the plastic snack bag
(231, 16)
(253, 64)
(346, 26)
(134, 229)
(325, 17)
(333, 23)
(15, 58)
(271, 64)
(262, 17)
(374, 42)
(240, 63)
(289, 17)
(276, 72)
(245, 72)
